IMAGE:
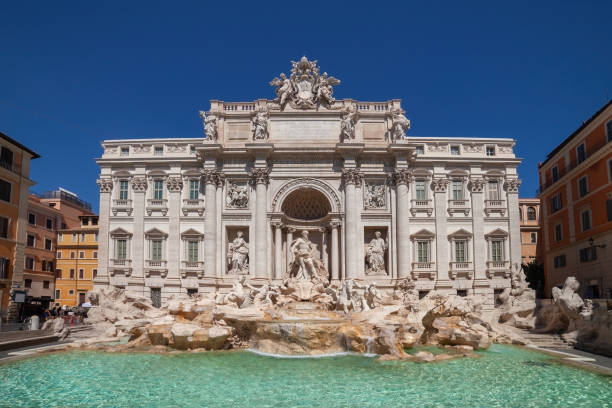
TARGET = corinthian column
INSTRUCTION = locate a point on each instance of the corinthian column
(512, 186)
(211, 178)
(278, 250)
(352, 178)
(402, 180)
(335, 258)
(175, 186)
(261, 179)
(106, 188)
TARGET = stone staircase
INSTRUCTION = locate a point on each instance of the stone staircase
(547, 340)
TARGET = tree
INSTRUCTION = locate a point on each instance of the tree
(535, 276)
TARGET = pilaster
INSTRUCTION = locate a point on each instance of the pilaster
(352, 178)
(261, 179)
(479, 246)
(511, 186)
(440, 186)
(174, 186)
(402, 180)
(106, 188)
(139, 189)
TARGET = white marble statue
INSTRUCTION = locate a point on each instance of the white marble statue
(347, 126)
(301, 248)
(210, 126)
(238, 295)
(375, 196)
(375, 254)
(284, 89)
(238, 255)
(260, 126)
(399, 125)
(371, 294)
(323, 89)
(237, 196)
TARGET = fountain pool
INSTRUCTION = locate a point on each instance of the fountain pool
(504, 376)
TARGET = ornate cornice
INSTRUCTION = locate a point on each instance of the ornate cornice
(512, 185)
(402, 176)
(139, 184)
(174, 183)
(106, 185)
(352, 176)
(440, 184)
(260, 176)
(476, 185)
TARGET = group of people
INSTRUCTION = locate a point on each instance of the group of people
(72, 315)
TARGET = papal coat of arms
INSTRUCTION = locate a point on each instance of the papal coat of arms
(306, 88)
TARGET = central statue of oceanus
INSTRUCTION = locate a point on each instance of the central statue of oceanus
(304, 265)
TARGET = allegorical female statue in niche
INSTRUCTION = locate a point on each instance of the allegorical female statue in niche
(238, 254)
(375, 254)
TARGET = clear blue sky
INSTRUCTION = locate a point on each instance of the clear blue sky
(75, 73)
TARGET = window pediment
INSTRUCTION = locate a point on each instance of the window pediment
(422, 234)
(191, 233)
(461, 233)
(497, 233)
(155, 233)
(120, 232)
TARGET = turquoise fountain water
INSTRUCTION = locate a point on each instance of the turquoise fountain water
(504, 377)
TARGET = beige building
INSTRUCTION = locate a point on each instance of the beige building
(531, 242)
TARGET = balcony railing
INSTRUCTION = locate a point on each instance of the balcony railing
(427, 269)
(157, 205)
(156, 264)
(494, 267)
(459, 206)
(121, 262)
(124, 265)
(457, 268)
(193, 205)
(192, 267)
(121, 205)
(193, 264)
(495, 206)
(421, 206)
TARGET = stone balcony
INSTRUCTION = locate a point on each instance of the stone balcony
(192, 268)
(498, 268)
(492, 206)
(120, 205)
(461, 269)
(421, 206)
(195, 205)
(160, 267)
(157, 205)
(424, 269)
(120, 265)
(459, 206)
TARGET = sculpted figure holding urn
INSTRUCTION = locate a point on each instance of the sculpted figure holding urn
(238, 254)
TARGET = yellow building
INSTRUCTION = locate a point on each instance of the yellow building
(76, 261)
(14, 188)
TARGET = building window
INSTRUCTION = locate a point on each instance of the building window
(461, 251)
(123, 189)
(72, 254)
(83, 237)
(423, 251)
(462, 292)
(49, 266)
(558, 232)
(192, 251)
(588, 254)
(192, 149)
(4, 227)
(48, 244)
(95, 255)
(72, 274)
(6, 158)
(555, 174)
(583, 188)
(419, 149)
(493, 190)
(94, 221)
(45, 284)
(585, 216)
(490, 150)
(31, 240)
(609, 209)
(121, 249)
(5, 191)
(560, 261)
(58, 255)
(581, 153)
(125, 151)
(4, 268)
(60, 237)
(609, 131)
(81, 255)
(81, 274)
(159, 151)
(457, 190)
(531, 213)
(96, 236)
(58, 294)
(455, 150)
(497, 250)
(556, 203)
(156, 250)
(192, 292)
(419, 190)
(31, 219)
(94, 272)
(74, 237)
(71, 292)
(27, 283)
(49, 223)
(158, 189)
(29, 263)
(43, 266)
(534, 237)
(194, 189)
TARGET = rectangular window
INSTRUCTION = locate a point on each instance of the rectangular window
(609, 208)
(95, 255)
(460, 251)
(6, 158)
(419, 188)
(125, 151)
(60, 237)
(123, 189)
(58, 294)
(609, 131)
(4, 227)
(556, 203)
(72, 274)
(560, 261)
(490, 150)
(5, 191)
(81, 274)
(96, 236)
(159, 151)
(192, 251)
(49, 223)
(29, 263)
(581, 153)
(156, 250)
(121, 249)
(586, 220)
(48, 244)
(83, 237)
(31, 240)
(58, 255)
(555, 174)
(588, 254)
(497, 251)
(583, 188)
(45, 284)
(493, 188)
(423, 251)
(28, 283)
(4, 268)
(72, 254)
(419, 149)
(194, 189)
(558, 232)
(454, 150)
(534, 237)
(94, 272)
(74, 237)
(457, 190)
(158, 189)
(31, 219)
(81, 255)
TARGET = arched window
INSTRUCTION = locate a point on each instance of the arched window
(531, 213)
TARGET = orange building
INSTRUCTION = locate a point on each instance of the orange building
(576, 197)
(531, 244)
(69, 204)
(77, 261)
(14, 185)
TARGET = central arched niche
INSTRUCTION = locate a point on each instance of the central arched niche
(306, 204)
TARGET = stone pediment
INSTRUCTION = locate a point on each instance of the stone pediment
(461, 233)
(117, 232)
(497, 233)
(191, 233)
(423, 234)
(154, 232)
